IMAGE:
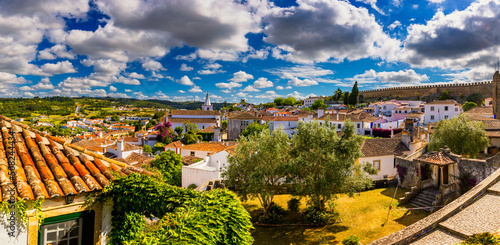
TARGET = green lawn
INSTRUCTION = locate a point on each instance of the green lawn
(361, 215)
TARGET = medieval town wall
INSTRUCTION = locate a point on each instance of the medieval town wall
(465, 89)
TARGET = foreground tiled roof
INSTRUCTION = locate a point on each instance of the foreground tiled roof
(284, 119)
(47, 167)
(195, 112)
(383, 147)
(188, 160)
(436, 158)
(192, 120)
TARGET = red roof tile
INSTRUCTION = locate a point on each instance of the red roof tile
(44, 168)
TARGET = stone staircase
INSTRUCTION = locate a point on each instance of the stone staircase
(424, 198)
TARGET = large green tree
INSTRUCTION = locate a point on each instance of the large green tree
(461, 134)
(190, 135)
(469, 105)
(290, 101)
(170, 166)
(279, 101)
(319, 103)
(324, 164)
(259, 165)
(253, 128)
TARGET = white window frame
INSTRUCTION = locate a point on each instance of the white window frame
(45, 230)
(379, 164)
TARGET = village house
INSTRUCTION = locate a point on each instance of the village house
(440, 110)
(211, 167)
(380, 154)
(122, 149)
(309, 101)
(287, 124)
(200, 150)
(238, 123)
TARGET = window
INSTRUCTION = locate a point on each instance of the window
(70, 229)
(359, 125)
(384, 107)
(376, 164)
(456, 109)
(339, 126)
(432, 108)
(192, 153)
(432, 117)
(445, 117)
(446, 108)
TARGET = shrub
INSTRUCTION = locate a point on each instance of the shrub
(192, 186)
(315, 217)
(293, 204)
(351, 240)
(274, 216)
(482, 238)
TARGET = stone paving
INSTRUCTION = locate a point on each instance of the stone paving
(481, 216)
(438, 237)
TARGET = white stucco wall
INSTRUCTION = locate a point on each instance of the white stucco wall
(200, 154)
(386, 166)
(13, 225)
(107, 208)
(439, 112)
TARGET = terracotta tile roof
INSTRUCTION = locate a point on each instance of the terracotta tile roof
(443, 102)
(130, 139)
(48, 167)
(139, 159)
(480, 110)
(436, 158)
(281, 118)
(493, 133)
(207, 130)
(415, 114)
(195, 112)
(126, 147)
(244, 115)
(192, 120)
(211, 147)
(90, 144)
(175, 144)
(383, 147)
(489, 123)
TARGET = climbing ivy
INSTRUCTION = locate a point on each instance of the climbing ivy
(37, 205)
(22, 208)
(177, 215)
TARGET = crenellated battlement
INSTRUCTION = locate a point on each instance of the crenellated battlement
(409, 91)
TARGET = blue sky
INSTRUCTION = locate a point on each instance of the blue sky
(250, 49)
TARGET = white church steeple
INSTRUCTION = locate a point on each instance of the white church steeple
(207, 106)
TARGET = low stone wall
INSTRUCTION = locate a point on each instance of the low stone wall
(411, 177)
(427, 224)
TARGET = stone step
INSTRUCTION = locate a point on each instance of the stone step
(418, 203)
(425, 198)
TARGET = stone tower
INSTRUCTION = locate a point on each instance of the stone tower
(496, 94)
(207, 106)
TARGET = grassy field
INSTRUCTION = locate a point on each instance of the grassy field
(361, 215)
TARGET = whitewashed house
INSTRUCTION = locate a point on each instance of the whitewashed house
(200, 150)
(211, 167)
(441, 109)
(309, 101)
(123, 149)
(380, 154)
(288, 124)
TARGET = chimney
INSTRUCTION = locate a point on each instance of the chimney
(321, 112)
(337, 116)
(392, 132)
(120, 145)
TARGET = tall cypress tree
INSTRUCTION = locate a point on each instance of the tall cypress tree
(345, 99)
(353, 98)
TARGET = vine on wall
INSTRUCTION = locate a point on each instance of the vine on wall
(178, 215)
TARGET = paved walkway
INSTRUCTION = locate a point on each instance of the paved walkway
(483, 215)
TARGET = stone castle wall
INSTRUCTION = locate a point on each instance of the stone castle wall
(465, 89)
